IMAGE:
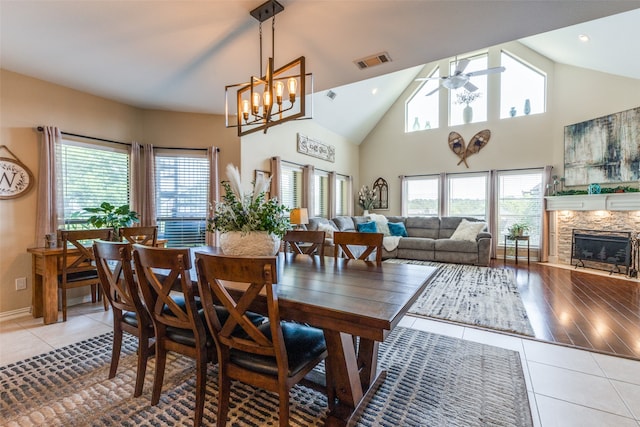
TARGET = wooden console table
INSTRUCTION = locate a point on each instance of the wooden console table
(45, 267)
(517, 239)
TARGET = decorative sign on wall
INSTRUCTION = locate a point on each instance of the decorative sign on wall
(15, 177)
(478, 141)
(603, 150)
(314, 148)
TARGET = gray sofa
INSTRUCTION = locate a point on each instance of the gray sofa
(428, 239)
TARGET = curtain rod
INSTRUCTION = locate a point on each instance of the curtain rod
(465, 173)
(41, 129)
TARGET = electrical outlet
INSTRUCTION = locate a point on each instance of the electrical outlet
(21, 283)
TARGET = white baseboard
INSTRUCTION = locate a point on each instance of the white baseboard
(12, 314)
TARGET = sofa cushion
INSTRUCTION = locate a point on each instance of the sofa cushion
(449, 245)
(344, 223)
(417, 243)
(314, 223)
(449, 224)
(328, 230)
(381, 223)
(423, 226)
(467, 230)
(368, 227)
(397, 229)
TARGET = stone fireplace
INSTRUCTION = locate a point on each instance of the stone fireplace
(614, 212)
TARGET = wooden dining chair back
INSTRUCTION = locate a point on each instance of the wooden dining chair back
(147, 236)
(274, 355)
(115, 269)
(344, 240)
(169, 295)
(78, 263)
(314, 240)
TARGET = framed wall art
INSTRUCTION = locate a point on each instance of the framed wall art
(604, 150)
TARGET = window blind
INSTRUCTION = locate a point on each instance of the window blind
(91, 174)
(182, 185)
(321, 196)
(342, 194)
(291, 186)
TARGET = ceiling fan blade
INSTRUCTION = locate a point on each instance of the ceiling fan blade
(487, 71)
(433, 91)
(470, 87)
(422, 79)
(461, 65)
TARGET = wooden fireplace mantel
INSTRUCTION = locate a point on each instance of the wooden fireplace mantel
(594, 202)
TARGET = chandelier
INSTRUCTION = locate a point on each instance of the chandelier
(261, 102)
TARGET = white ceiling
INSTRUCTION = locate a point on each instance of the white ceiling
(179, 55)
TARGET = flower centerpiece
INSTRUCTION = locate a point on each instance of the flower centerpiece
(466, 97)
(366, 198)
(249, 224)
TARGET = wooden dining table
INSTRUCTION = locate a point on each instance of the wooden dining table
(346, 299)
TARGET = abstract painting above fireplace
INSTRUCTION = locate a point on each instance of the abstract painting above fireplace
(604, 150)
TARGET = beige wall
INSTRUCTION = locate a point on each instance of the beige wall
(258, 148)
(574, 95)
(26, 103)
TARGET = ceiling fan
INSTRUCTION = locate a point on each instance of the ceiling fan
(461, 79)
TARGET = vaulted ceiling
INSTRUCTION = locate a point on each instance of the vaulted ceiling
(179, 55)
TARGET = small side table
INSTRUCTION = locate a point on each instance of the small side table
(517, 239)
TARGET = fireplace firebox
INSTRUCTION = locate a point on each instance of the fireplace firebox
(601, 249)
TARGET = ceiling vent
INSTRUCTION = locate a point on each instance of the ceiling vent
(370, 61)
(331, 95)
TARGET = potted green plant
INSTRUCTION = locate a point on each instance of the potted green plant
(518, 229)
(110, 216)
(249, 223)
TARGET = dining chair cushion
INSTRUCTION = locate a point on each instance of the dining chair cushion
(303, 343)
(130, 318)
(80, 275)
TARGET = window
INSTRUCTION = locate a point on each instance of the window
(467, 195)
(291, 186)
(478, 106)
(520, 201)
(423, 107)
(522, 88)
(321, 196)
(87, 182)
(422, 196)
(343, 189)
(182, 186)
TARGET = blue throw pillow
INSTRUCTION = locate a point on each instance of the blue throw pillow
(368, 227)
(397, 229)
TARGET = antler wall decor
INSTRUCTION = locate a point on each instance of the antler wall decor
(457, 144)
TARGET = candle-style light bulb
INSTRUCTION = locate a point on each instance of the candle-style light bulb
(256, 103)
(267, 99)
(245, 109)
(279, 88)
(292, 85)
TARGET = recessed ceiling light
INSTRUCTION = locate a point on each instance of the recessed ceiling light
(374, 91)
(583, 38)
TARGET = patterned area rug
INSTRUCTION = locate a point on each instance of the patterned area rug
(480, 296)
(432, 380)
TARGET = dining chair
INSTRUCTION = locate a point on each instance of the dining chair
(275, 355)
(147, 236)
(78, 263)
(178, 322)
(115, 268)
(314, 239)
(371, 241)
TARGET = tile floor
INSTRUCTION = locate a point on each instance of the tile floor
(567, 387)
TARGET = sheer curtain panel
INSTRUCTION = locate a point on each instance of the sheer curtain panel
(143, 194)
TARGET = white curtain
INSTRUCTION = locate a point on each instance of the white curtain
(143, 193)
(213, 156)
(308, 174)
(492, 220)
(544, 232)
(50, 203)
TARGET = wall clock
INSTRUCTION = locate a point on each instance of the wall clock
(15, 177)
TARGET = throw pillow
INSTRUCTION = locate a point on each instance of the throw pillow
(328, 230)
(368, 227)
(381, 223)
(397, 229)
(467, 230)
